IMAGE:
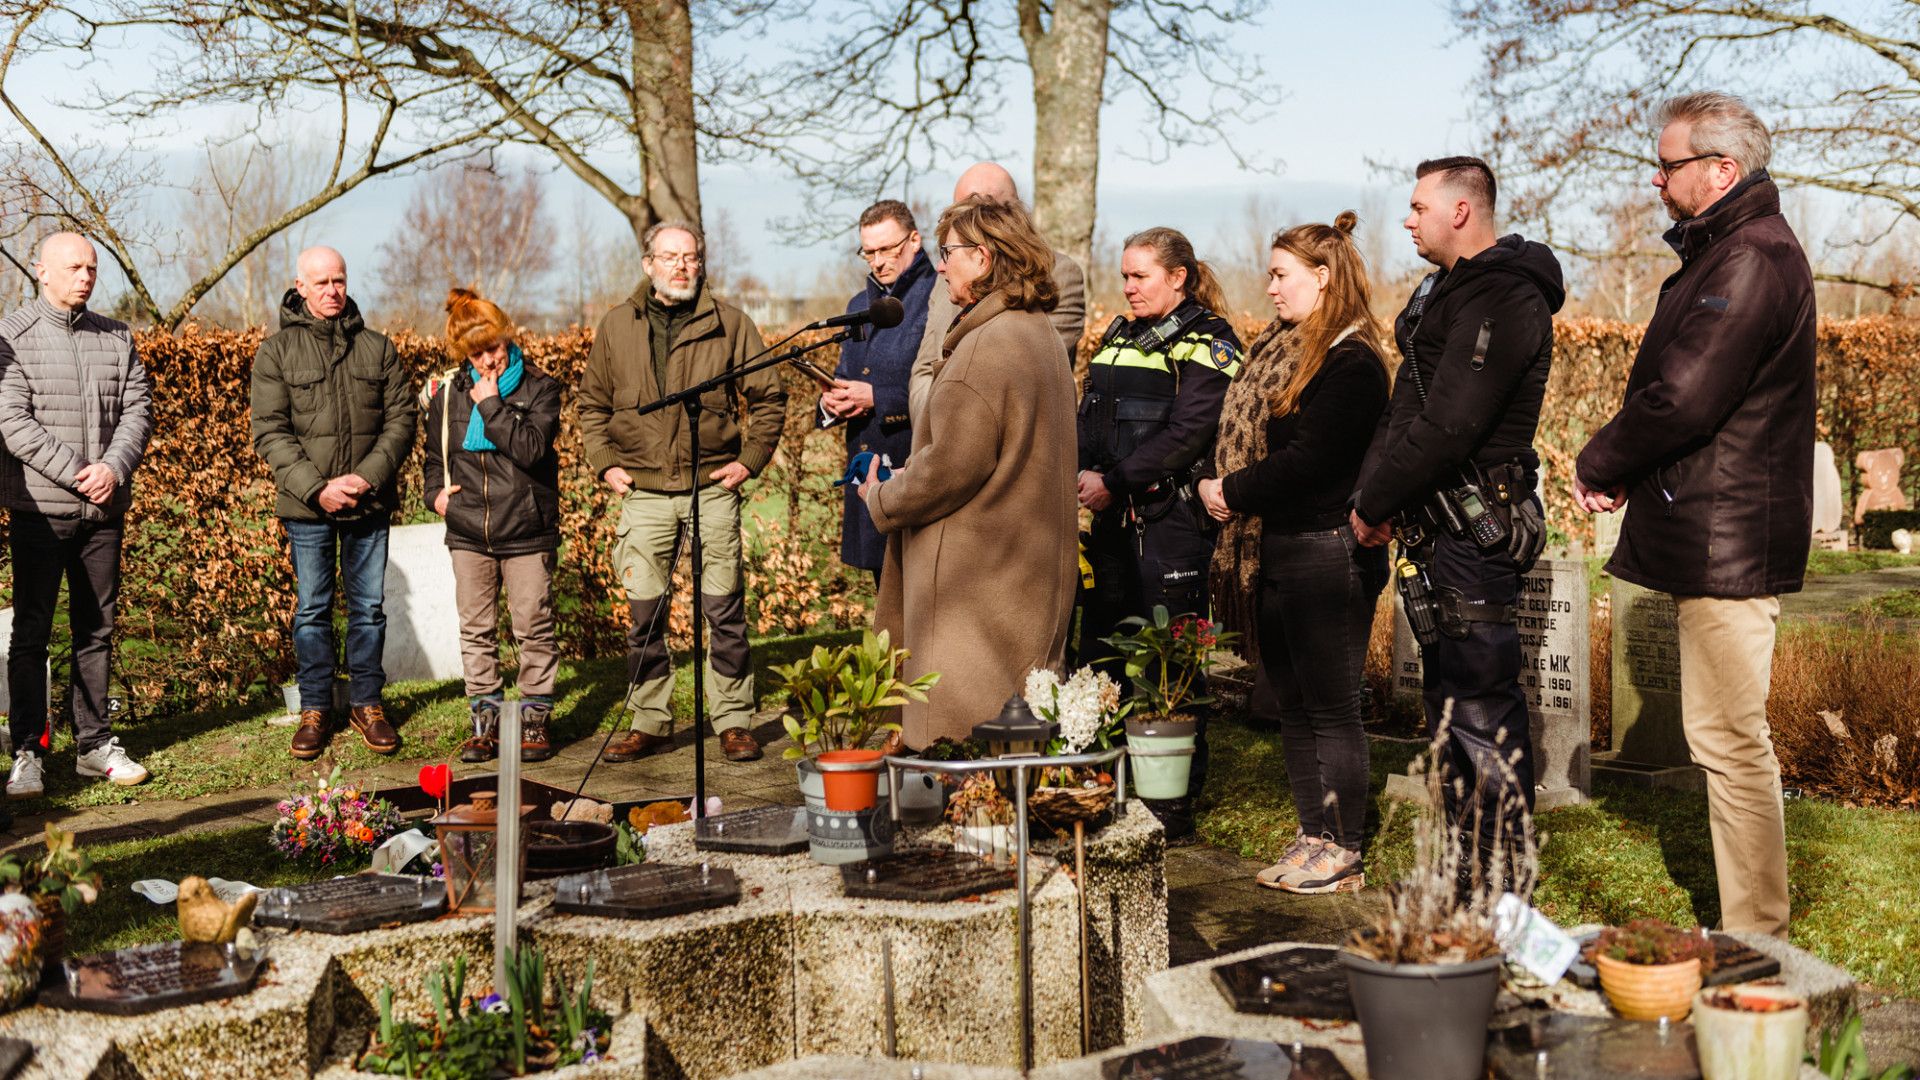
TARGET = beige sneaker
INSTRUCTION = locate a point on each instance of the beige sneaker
(1330, 869)
(1291, 860)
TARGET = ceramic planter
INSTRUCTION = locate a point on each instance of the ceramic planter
(1160, 753)
(1649, 991)
(1742, 1044)
(843, 836)
(1423, 1021)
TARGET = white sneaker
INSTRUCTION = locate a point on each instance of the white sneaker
(110, 761)
(26, 780)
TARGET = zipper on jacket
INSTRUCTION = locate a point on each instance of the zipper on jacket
(69, 322)
(486, 503)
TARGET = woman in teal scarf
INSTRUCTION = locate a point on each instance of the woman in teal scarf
(491, 472)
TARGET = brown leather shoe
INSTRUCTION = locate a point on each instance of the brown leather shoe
(635, 745)
(535, 744)
(371, 722)
(310, 739)
(739, 745)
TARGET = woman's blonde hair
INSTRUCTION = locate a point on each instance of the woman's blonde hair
(1173, 251)
(1021, 266)
(1346, 302)
(474, 323)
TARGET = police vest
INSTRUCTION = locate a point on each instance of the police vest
(1134, 378)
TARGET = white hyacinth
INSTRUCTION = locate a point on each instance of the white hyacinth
(1082, 706)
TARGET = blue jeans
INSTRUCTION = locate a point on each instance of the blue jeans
(362, 547)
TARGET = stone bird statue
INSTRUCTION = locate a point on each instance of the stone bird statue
(206, 917)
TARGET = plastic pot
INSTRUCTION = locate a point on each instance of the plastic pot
(1739, 1044)
(843, 836)
(1423, 1021)
(1160, 755)
(1649, 991)
(855, 790)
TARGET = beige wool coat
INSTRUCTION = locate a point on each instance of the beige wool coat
(980, 525)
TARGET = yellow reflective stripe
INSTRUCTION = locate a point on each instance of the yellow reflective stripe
(1130, 357)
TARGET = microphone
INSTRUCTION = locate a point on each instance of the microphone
(883, 314)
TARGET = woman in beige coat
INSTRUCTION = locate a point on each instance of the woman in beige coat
(979, 576)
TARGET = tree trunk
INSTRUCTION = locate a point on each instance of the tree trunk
(1069, 64)
(663, 114)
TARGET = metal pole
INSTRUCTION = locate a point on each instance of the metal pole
(1080, 883)
(888, 1043)
(506, 852)
(699, 647)
(1025, 925)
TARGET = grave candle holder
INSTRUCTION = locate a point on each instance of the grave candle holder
(1016, 732)
(469, 837)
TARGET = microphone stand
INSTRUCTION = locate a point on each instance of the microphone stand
(689, 400)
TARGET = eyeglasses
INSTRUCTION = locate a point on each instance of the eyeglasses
(947, 250)
(885, 252)
(1668, 168)
(675, 259)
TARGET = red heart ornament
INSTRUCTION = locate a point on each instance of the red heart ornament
(434, 779)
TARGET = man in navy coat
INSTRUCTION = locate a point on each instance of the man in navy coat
(869, 393)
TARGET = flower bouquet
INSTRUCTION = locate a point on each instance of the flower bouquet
(1089, 712)
(336, 823)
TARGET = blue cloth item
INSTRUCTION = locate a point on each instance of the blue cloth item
(476, 439)
(857, 470)
(362, 550)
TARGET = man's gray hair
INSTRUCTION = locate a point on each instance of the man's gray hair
(1721, 124)
(699, 238)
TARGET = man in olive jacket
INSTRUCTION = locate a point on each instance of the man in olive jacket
(333, 414)
(671, 334)
(1713, 449)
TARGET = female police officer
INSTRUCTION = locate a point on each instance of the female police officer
(1147, 425)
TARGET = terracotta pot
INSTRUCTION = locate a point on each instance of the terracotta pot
(1738, 1044)
(1649, 991)
(846, 791)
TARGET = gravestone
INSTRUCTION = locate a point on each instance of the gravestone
(423, 625)
(1829, 506)
(1308, 981)
(348, 905)
(1563, 1044)
(763, 830)
(1552, 618)
(927, 875)
(1208, 1058)
(6, 689)
(147, 978)
(1880, 482)
(647, 891)
(1649, 743)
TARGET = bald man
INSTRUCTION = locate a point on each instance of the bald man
(74, 412)
(333, 414)
(991, 180)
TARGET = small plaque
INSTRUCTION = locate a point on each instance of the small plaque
(1593, 1048)
(647, 891)
(147, 978)
(929, 875)
(1306, 982)
(1227, 1059)
(764, 830)
(348, 905)
(1733, 961)
(14, 1055)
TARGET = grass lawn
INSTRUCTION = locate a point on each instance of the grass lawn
(1857, 562)
(1629, 853)
(1898, 604)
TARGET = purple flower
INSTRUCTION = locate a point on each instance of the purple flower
(493, 1003)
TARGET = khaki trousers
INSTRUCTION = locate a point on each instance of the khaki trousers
(1726, 666)
(477, 579)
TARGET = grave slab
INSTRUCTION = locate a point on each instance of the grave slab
(148, 978)
(1308, 982)
(1185, 1000)
(647, 891)
(924, 875)
(763, 830)
(349, 905)
(825, 1067)
(1208, 1055)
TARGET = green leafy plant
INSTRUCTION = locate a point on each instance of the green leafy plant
(63, 873)
(1843, 1055)
(945, 749)
(495, 1035)
(1165, 656)
(1651, 941)
(842, 694)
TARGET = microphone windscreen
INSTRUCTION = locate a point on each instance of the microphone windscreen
(887, 311)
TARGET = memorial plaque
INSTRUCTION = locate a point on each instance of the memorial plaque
(148, 978)
(1207, 1058)
(1593, 1048)
(647, 891)
(1646, 678)
(929, 875)
(764, 830)
(349, 905)
(1306, 982)
(14, 1055)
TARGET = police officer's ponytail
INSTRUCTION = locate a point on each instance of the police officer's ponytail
(1173, 251)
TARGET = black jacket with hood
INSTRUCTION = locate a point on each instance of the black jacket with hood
(509, 498)
(1479, 339)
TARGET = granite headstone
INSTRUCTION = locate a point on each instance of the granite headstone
(1646, 679)
(147, 978)
(419, 605)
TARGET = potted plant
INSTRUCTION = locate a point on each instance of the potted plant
(922, 796)
(1088, 713)
(59, 883)
(843, 697)
(1423, 975)
(1750, 1031)
(1165, 658)
(1650, 969)
(982, 819)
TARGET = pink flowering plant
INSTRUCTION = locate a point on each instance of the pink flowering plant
(1165, 656)
(335, 823)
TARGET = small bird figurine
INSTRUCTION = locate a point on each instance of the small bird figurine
(206, 917)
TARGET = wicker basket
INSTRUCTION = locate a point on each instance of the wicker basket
(1066, 805)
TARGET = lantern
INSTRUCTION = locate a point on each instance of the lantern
(469, 853)
(1016, 732)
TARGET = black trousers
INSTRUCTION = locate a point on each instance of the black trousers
(1489, 747)
(1162, 563)
(86, 555)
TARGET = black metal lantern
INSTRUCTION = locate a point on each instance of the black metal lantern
(1016, 732)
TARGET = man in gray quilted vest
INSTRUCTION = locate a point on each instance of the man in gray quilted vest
(75, 415)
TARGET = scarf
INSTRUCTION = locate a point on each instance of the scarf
(476, 440)
(1242, 442)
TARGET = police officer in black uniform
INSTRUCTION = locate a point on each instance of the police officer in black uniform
(1453, 465)
(1147, 425)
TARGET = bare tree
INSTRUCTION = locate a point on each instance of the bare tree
(245, 181)
(1571, 85)
(473, 225)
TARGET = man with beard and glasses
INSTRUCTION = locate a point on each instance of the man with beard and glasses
(673, 333)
